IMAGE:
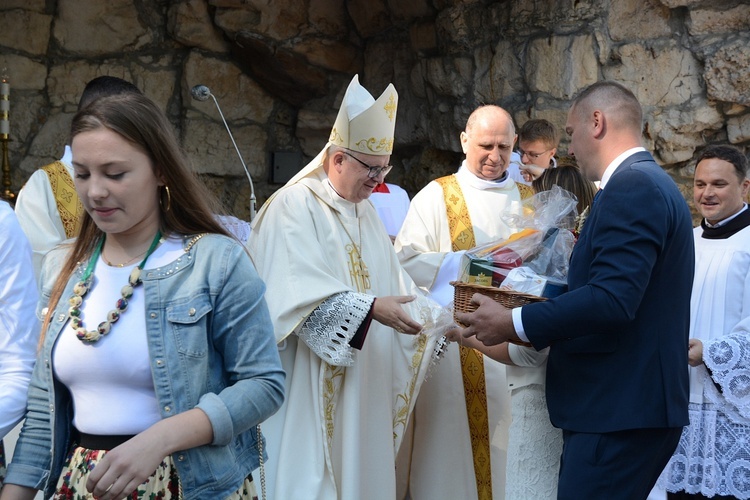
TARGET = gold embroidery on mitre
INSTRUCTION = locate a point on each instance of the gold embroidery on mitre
(376, 145)
(365, 124)
(336, 137)
(390, 107)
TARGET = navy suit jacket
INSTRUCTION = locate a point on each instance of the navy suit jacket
(619, 337)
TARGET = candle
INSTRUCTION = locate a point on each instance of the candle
(4, 105)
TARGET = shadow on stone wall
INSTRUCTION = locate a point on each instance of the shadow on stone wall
(279, 72)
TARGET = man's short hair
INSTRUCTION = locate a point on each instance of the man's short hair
(105, 86)
(616, 100)
(729, 154)
(539, 129)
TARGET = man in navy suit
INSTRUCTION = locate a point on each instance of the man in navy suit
(616, 378)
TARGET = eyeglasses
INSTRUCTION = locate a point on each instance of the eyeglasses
(373, 172)
(532, 156)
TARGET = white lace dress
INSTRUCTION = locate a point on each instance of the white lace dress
(534, 447)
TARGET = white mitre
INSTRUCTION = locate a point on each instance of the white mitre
(365, 124)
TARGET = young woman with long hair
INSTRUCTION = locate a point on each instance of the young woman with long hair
(157, 359)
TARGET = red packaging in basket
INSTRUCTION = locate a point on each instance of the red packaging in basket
(489, 264)
(503, 261)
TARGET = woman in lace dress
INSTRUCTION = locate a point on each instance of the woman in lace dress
(713, 456)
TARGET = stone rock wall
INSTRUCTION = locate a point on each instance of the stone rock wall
(279, 69)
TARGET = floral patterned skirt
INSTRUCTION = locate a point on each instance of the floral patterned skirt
(163, 483)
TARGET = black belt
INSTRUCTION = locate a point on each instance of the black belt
(100, 442)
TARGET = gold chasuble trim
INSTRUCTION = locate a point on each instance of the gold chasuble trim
(472, 364)
(68, 204)
(524, 190)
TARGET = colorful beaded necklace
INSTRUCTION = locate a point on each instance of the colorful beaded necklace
(82, 287)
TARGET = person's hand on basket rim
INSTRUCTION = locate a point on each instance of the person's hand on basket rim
(491, 323)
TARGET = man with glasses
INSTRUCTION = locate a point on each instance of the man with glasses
(537, 146)
(342, 303)
(449, 216)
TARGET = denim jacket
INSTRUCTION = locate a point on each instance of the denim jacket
(211, 346)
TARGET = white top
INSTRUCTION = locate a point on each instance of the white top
(37, 212)
(391, 207)
(19, 328)
(110, 380)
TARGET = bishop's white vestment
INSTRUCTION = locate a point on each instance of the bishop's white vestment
(324, 259)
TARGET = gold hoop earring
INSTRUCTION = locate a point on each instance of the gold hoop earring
(169, 200)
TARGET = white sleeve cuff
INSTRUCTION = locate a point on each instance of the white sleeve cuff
(329, 328)
(518, 324)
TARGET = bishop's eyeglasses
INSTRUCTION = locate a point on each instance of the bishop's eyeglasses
(373, 172)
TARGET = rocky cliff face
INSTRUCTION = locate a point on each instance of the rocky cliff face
(279, 69)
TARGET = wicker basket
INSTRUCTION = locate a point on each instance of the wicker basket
(463, 292)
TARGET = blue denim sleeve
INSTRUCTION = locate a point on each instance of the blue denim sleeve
(242, 332)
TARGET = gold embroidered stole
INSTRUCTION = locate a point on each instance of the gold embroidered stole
(333, 377)
(524, 190)
(68, 204)
(472, 364)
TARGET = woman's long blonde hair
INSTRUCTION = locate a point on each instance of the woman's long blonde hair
(189, 209)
